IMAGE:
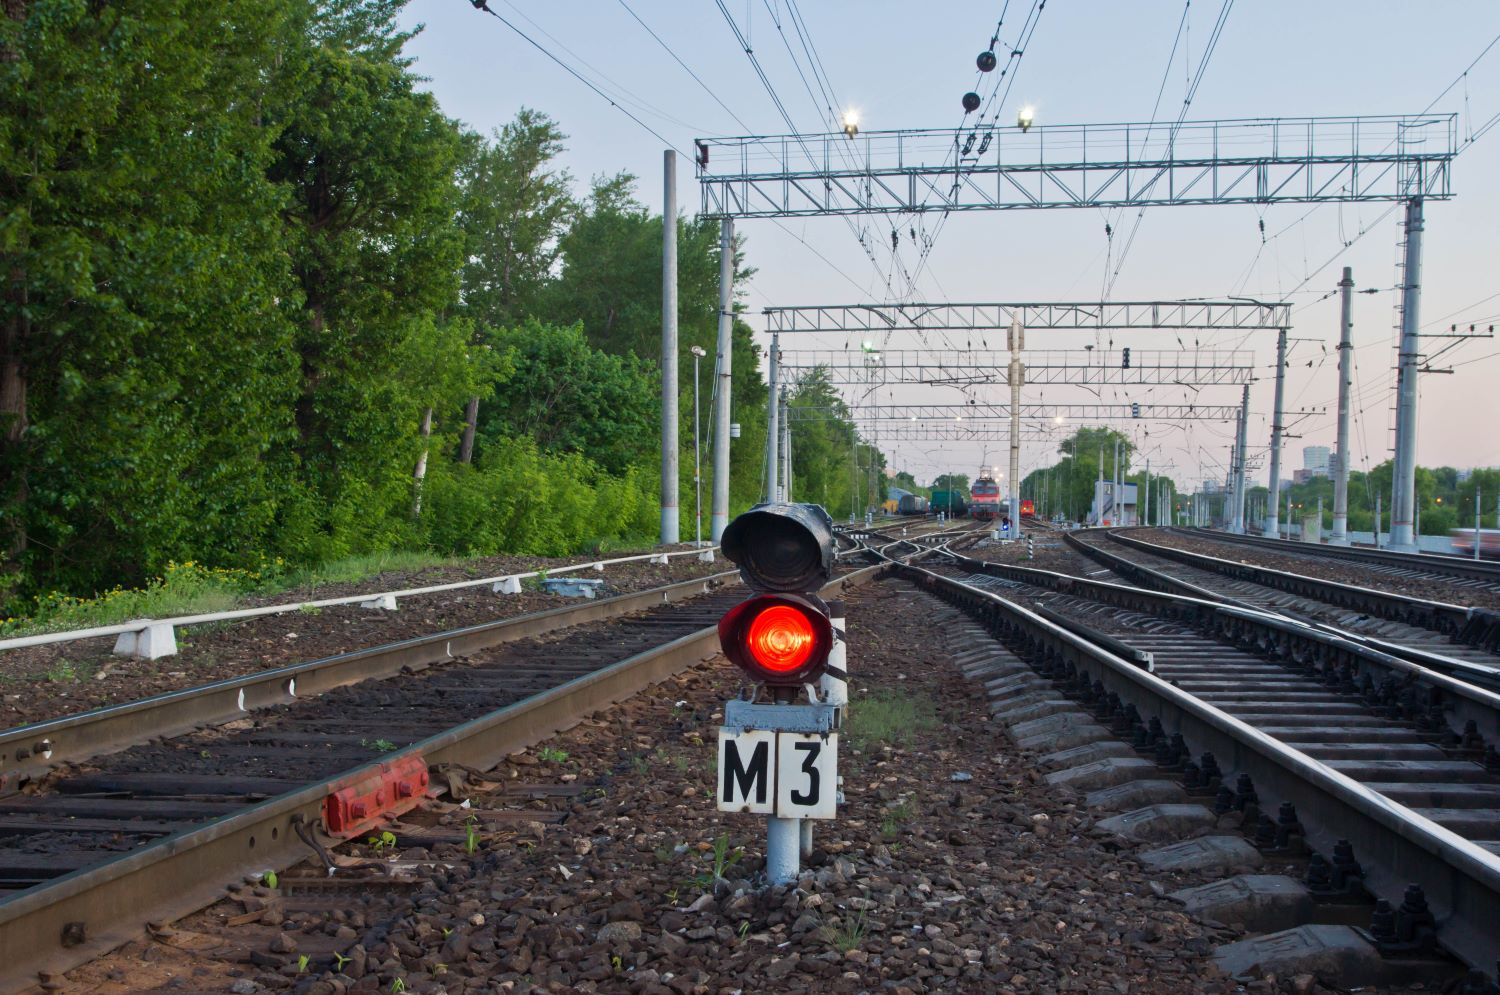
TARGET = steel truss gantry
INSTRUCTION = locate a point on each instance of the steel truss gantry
(981, 412)
(1247, 161)
(961, 367)
(1088, 316)
(1257, 161)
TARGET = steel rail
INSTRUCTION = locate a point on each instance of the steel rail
(1453, 668)
(1462, 880)
(1467, 696)
(1437, 563)
(29, 751)
(67, 921)
(1448, 619)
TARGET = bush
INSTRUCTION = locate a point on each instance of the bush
(529, 502)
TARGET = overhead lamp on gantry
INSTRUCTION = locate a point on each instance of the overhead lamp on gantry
(1025, 118)
(851, 122)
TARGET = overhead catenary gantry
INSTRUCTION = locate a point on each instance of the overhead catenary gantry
(980, 411)
(964, 367)
(892, 321)
(1259, 161)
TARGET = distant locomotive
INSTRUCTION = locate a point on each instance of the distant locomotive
(1028, 509)
(985, 498)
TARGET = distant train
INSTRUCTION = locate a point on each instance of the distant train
(1028, 509)
(985, 497)
(911, 504)
(949, 502)
(1489, 542)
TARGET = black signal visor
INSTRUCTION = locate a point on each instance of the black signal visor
(777, 639)
(782, 547)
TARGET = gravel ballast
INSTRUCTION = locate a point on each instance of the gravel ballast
(953, 867)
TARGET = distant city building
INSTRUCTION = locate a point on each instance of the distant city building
(1303, 476)
(1464, 475)
(1315, 460)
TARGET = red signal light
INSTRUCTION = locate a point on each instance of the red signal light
(777, 638)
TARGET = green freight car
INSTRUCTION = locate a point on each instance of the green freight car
(950, 502)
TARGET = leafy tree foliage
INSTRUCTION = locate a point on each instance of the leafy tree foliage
(831, 464)
(256, 281)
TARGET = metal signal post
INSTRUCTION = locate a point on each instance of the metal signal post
(779, 758)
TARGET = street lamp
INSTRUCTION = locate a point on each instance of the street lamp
(698, 354)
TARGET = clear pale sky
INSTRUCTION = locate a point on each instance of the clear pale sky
(906, 65)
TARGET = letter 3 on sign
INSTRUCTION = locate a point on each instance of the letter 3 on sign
(746, 769)
(806, 776)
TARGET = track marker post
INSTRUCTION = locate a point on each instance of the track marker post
(779, 756)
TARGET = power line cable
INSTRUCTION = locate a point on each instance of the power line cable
(484, 6)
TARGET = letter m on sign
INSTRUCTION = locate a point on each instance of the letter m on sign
(747, 765)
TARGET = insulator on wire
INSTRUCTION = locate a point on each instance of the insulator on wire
(984, 143)
(895, 239)
(969, 143)
(971, 102)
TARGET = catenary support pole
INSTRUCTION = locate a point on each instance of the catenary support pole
(1145, 516)
(1016, 374)
(722, 380)
(1340, 534)
(669, 449)
(1239, 480)
(1477, 514)
(1277, 428)
(1378, 514)
(1403, 505)
(786, 445)
(697, 458)
(773, 426)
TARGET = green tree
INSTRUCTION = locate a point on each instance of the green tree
(368, 165)
(143, 326)
(515, 206)
(572, 398)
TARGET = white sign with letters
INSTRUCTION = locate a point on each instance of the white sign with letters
(806, 775)
(790, 775)
(747, 771)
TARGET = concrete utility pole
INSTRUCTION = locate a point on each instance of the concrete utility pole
(1239, 479)
(1404, 481)
(773, 427)
(1340, 534)
(1276, 429)
(669, 450)
(1145, 517)
(786, 445)
(1016, 374)
(720, 514)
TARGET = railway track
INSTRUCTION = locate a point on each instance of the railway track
(1461, 572)
(1242, 707)
(147, 810)
(1446, 637)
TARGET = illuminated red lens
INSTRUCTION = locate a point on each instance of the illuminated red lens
(781, 639)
